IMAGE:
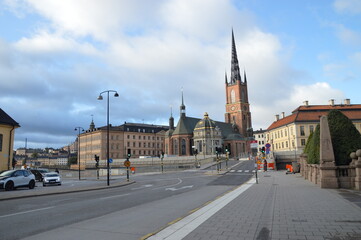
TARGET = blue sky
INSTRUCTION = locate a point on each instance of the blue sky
(57, 56)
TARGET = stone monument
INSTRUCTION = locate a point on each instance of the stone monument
(327, 157)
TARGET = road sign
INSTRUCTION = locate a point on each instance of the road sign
(127, 163)
(110, 160)
(268, 145)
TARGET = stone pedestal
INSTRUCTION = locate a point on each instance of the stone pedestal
(328, 178)
(358, 170)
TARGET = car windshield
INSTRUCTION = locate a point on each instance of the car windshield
(51, 175)
(7, 173)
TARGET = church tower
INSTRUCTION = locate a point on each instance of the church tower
(237, 105)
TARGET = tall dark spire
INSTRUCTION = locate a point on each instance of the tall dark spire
(92, 125)
(182, 107)
(245, 78)
(235, 75)
(225, 77)
(171, 119)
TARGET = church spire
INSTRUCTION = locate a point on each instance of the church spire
(235, 75)
(225, 77)
(182, 107)
(245, 78)
(92, 125)
(171, 119)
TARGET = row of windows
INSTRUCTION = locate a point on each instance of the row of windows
(149, 145)
(144, 137)
(285, 144)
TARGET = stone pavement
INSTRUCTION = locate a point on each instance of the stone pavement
(284, 206)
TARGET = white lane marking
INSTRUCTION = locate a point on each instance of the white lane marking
(34, 210)
(240, 171)
(120, 195)
(246, 170)
(176, 189)
(182, 228)
(179, 182)
(232, 170)
(141, 187)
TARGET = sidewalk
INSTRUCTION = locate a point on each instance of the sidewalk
(280, 207)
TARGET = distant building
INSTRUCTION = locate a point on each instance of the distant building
(7, 132)
(142, 139)
(260, 137)
(290, 133)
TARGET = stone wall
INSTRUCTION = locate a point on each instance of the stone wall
(345, 176)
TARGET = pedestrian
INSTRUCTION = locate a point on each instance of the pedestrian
(56, 170)
(265, 165)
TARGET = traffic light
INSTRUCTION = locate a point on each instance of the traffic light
(129, 153)
(263, 149)
(96, 158)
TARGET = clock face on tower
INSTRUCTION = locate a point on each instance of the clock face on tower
(232, 108)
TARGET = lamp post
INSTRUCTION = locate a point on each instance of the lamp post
(82, 129)
(101, 98)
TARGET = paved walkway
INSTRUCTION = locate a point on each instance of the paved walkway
(282, 207)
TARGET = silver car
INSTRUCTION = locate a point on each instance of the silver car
(12, 179)
(51, 178)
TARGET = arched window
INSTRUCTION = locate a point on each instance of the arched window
(183, 147)
(233, 96)
(175, 147)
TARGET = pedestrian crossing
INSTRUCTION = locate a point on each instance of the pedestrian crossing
(242, 171)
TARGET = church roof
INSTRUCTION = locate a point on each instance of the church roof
(7, 120)
(186, 125)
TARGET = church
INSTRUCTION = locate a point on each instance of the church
(204, 136)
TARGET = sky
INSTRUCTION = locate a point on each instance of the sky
(57, 56)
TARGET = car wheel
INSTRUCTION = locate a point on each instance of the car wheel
(31, 184)
(9, 186)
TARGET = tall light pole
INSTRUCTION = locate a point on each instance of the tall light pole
(82, 129)
(101, 98)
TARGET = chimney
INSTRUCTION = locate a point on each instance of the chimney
(305, 103)
(283, 114)
(277, 117)
(331, 102)
(347, 101)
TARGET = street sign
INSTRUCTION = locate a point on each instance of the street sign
(254, 144)
(268, 145)
(110, 160)
(127, 163)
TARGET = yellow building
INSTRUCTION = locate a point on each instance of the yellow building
(142, 139)
(7, 132)
(290, 133)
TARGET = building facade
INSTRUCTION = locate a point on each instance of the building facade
(290, 133)
(7, 132)
(260, 137)
(142, 139)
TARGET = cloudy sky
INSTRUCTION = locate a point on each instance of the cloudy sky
(56, 56)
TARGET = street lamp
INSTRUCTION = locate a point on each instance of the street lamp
(82, 129)
(101, 98)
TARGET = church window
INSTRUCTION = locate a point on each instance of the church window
(175, 146)
(183, 147)
(233, 96)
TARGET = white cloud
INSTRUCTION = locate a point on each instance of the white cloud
(348, 6)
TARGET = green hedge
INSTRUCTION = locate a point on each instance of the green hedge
(345, 139)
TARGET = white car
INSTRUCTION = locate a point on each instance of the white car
(12, 179)
(51, 178)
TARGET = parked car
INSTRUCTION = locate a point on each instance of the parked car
(39, 173)
(12, 179)
(52, 178)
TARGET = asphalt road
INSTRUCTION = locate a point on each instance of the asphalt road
(137, 209)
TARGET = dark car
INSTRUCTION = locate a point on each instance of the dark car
(39, 173)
